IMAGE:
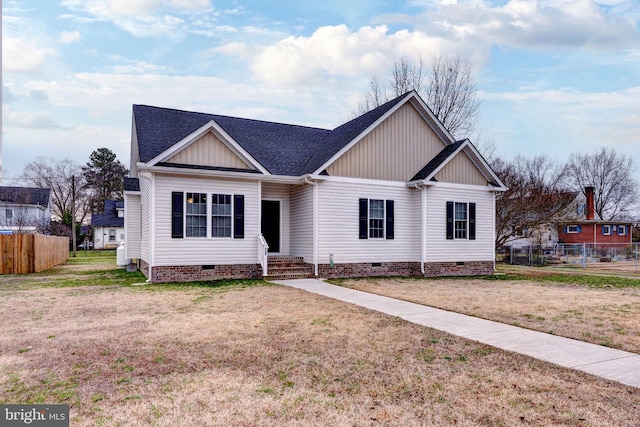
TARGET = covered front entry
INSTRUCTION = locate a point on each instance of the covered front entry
(270, 224)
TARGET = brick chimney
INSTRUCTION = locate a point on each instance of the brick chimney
(588, 192)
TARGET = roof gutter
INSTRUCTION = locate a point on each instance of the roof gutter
(281, 179)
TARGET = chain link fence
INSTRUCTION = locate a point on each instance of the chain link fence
(622, 257)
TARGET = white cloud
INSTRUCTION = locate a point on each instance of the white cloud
(547, 24)
(22, 57)
(145, 18)
(67, 37)
(132, 7)
(331, 51)
(190, 4)
(31, 120)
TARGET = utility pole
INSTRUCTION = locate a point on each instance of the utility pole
(73, 213)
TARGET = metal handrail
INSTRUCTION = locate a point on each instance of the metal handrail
(263, 250)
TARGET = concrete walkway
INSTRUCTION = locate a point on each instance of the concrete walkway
(605, 362)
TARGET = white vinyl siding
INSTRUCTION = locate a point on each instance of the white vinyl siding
(132, 226)
(338, 230)
(281, 193)
(439, 249)
(302, 222)
(204, 251)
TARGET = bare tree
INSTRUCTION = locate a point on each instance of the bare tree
(57, 176)
(447, 86)
(611, 175)
(451, 94)
(407, 76)
(534, 200)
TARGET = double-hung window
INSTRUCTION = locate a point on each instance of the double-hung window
(606, 229)
(461, 221)
(622, 230)
(376, 219)
(221, 215)
(8, 213)
(196, 215)
(193, 216)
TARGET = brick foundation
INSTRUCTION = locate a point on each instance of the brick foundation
(190, 273)
(466, 268)
(369, 269)
(187, 273)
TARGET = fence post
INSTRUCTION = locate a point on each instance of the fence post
(530, 255)
(636, 257)
(584, 255)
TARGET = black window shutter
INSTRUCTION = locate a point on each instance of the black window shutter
(364, 217)
(177, 219)
(472, 221)
(449, 220)
(238, 216)
(389, 220)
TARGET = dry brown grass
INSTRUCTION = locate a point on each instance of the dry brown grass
(609, 316)
(269, 355)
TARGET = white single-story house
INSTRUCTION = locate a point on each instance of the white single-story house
(108, 227)
(390, 192)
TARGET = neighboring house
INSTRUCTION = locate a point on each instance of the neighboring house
(542, 230)
(388, 193)
(592, 230)
(108, 228)
(24, 209)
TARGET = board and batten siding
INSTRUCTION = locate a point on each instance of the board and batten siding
(395, 150)
(439, 249)
(280, 193)
(302, 222)
(132, 225)
(208, 150)
(202, 250)
(461, 170)
(338, 230)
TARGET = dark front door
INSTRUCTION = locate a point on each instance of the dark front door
(271, 224)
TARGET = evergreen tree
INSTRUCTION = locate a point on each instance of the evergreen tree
(104, 178)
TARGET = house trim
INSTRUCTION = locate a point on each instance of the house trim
(143, 167)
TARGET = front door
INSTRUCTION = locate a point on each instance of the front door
(271, 224)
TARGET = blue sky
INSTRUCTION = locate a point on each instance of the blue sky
(554, 76)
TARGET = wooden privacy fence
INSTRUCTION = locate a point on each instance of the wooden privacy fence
(31, 253)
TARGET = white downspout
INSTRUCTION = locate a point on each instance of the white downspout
(151, 221)
(423, 249)
(423, 225)
(493, 219)
(315, 223)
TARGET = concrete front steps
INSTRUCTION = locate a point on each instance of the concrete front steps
(287, 267)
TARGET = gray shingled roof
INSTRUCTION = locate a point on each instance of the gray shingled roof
(282, 149)
(441, 157)
(26, 195)
(131, 184)
(110, 216)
